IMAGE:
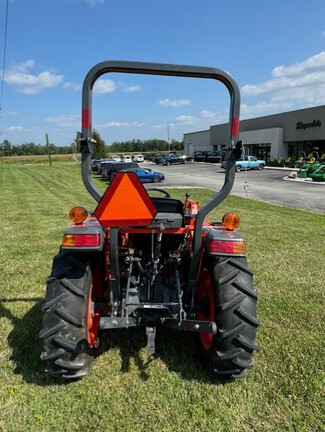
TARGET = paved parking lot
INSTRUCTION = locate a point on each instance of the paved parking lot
(265, 185)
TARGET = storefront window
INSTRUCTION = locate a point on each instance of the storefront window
(260, 151)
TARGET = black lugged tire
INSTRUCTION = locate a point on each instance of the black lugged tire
(66, 351)
(235, 300)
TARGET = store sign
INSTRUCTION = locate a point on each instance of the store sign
(315, 123)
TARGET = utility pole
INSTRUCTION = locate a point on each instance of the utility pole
(48, 148)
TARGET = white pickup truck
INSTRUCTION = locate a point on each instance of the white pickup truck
(249, 162)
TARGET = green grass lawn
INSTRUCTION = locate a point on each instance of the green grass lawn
(126, 390)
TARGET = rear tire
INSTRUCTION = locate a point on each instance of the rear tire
(261, 166)
(70, 325)
(226, 295)
(238, 168)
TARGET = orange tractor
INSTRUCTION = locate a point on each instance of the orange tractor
(150, 261)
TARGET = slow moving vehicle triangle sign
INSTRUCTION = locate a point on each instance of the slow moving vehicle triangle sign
(125, 203)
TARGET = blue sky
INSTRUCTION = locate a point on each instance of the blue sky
(275, 49)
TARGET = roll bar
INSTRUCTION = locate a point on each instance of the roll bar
(85, 141)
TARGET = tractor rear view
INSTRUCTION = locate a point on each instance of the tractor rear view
(148, 261)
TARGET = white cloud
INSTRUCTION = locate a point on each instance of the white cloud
(164, 126)
(173, 103)
(300, 84)
(118, 124)
(102, 86)
(14, 128)
(71, 86)
(207, 114)
(263, 108)
(72, 120)
(24, 81)
(130, 89)
(8, 114)
(212, 117)
(185, 119)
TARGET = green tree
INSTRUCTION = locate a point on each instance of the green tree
(30, 148)
(6, 148)
(99, 149)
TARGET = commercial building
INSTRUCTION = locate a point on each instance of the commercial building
(283, 135)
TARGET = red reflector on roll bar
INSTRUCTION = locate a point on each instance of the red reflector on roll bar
(86, 118)
(235, 127)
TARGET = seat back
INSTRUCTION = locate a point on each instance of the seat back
(170, 212)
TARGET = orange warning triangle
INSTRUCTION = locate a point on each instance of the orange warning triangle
(125, 203)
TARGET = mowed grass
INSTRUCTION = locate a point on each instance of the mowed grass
(39, 159)
(128, 391)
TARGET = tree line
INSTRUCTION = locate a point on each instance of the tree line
(101, 149)
(30, 148)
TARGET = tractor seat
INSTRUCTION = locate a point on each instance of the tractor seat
(170, 212)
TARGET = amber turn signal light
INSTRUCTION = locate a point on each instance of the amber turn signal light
(78, 215)
(231, 221)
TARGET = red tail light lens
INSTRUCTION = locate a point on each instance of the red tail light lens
(227, 247)
(81, 240)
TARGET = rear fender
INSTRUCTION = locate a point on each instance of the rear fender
(214, 234)
(90, 228)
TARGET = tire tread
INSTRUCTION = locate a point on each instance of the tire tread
(66, 352)
(231, 353)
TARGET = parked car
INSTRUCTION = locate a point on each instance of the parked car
(157, 157)
(138, 158)
(112, 168)
(200, 156)
(149, 156)
(146, 175)
(95, 163)
(214, 157)
(104, 166)
(116, 158)
(172, 159)
(126, 158)
(189, 158)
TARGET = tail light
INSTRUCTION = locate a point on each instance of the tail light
(227, 247)
(81, 240)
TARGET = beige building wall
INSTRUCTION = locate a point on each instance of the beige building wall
(300, 129)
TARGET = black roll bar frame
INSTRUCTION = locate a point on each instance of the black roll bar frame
(85, 141)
